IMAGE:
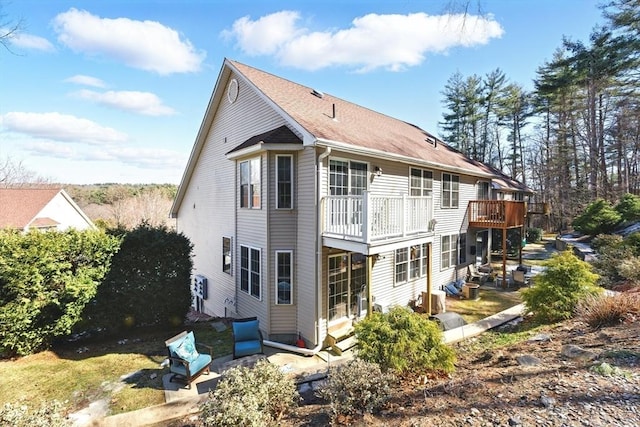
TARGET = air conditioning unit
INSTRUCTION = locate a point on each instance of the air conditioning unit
(201, 287)
(381, 307)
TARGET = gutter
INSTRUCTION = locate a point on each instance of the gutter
(318, 347)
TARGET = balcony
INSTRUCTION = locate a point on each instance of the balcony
(496, 213)
(374, 219)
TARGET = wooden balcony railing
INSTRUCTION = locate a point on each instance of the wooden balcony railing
(539, 208)
(369, 218)
(496, 213)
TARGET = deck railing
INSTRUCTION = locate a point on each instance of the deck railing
(496, 213)
(368, 218)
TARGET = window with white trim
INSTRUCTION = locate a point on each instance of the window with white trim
(226, 255)
(450, 190)
(284, 274)
(421, 182)
(250, 183)
(250, 271)
(448, 251)
(284, 182)
(410, 263)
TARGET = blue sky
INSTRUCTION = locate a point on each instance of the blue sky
(114, 91)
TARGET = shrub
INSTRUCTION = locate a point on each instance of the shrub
(403, 341)
(534, 235)
(629, 207)
(601, 310)
(557, 290)
(357, 387)
(46, 280)
(249, 397)
(148, 283)
(47, 415)
(599, 217)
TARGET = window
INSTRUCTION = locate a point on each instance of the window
(284, 273)
(462, 249)
(250, 270)
(448, 251)
(226, 255)
(411, 263)
(450, 190)
(347, 177)
(250, 183)
(421, 182)
(284, 182)
(401, 257)
(483, 190)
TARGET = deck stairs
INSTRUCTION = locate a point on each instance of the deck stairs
(341, 337)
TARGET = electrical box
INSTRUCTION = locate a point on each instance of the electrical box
(201, 287)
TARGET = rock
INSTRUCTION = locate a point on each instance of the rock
(528, 360)
(547, 402)
(513, 421)
(575, 352)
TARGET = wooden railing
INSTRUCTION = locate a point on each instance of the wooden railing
(496, 213)
(368, 218)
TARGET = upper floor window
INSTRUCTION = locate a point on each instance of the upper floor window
(284, 274)
(250, 271)
(421, 182)
(226, 255)
(448, 251)
(250, 183)
(347, 178)
(284, 182)
(450, 190)
(483, 190)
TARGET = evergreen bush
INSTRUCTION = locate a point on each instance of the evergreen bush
(250, 397)
(404, 342)
(560, 287)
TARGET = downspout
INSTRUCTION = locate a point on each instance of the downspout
(318, 241)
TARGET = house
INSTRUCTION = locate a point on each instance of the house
(40, 208)
(308, 211)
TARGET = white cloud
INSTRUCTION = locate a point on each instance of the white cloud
(80, 79)
(51, 149)
(145, 103)
(373, 41)
(146, 45)
(266, 35)
(29, 41)
(60, 127)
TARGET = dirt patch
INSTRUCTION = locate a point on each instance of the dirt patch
(568, 374)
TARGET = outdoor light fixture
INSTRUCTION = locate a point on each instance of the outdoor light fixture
(378, 171)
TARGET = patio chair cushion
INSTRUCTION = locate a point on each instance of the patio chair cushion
(247, 338)
(187, 348)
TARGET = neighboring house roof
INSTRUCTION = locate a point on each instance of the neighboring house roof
(20, 208)
(326, 120)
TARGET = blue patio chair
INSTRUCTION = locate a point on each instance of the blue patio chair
(247, 337)
(184, 359)
(451, 290)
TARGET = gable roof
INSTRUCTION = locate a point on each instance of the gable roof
(328, 121)
(19, 207)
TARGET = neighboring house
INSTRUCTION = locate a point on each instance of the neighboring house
(307, 211)
(40, 208)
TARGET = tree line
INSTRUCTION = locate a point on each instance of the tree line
(575, 137)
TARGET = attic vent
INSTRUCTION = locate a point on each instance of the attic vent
(317, 93)
(432, 141)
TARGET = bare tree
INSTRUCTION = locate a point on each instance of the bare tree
(9, 29)
(15, 174)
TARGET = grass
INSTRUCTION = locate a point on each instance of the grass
(125, 370)
(491, 301)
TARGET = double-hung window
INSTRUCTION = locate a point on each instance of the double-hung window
(450, 190)
(421, 182)
(250, 271)
(410, 263)
(284, 182)
(284, 274)
(448, 251)
(250, 183)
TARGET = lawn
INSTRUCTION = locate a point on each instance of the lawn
(491, 301)
(124, 370)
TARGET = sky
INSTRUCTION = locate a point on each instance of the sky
(115, 91)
